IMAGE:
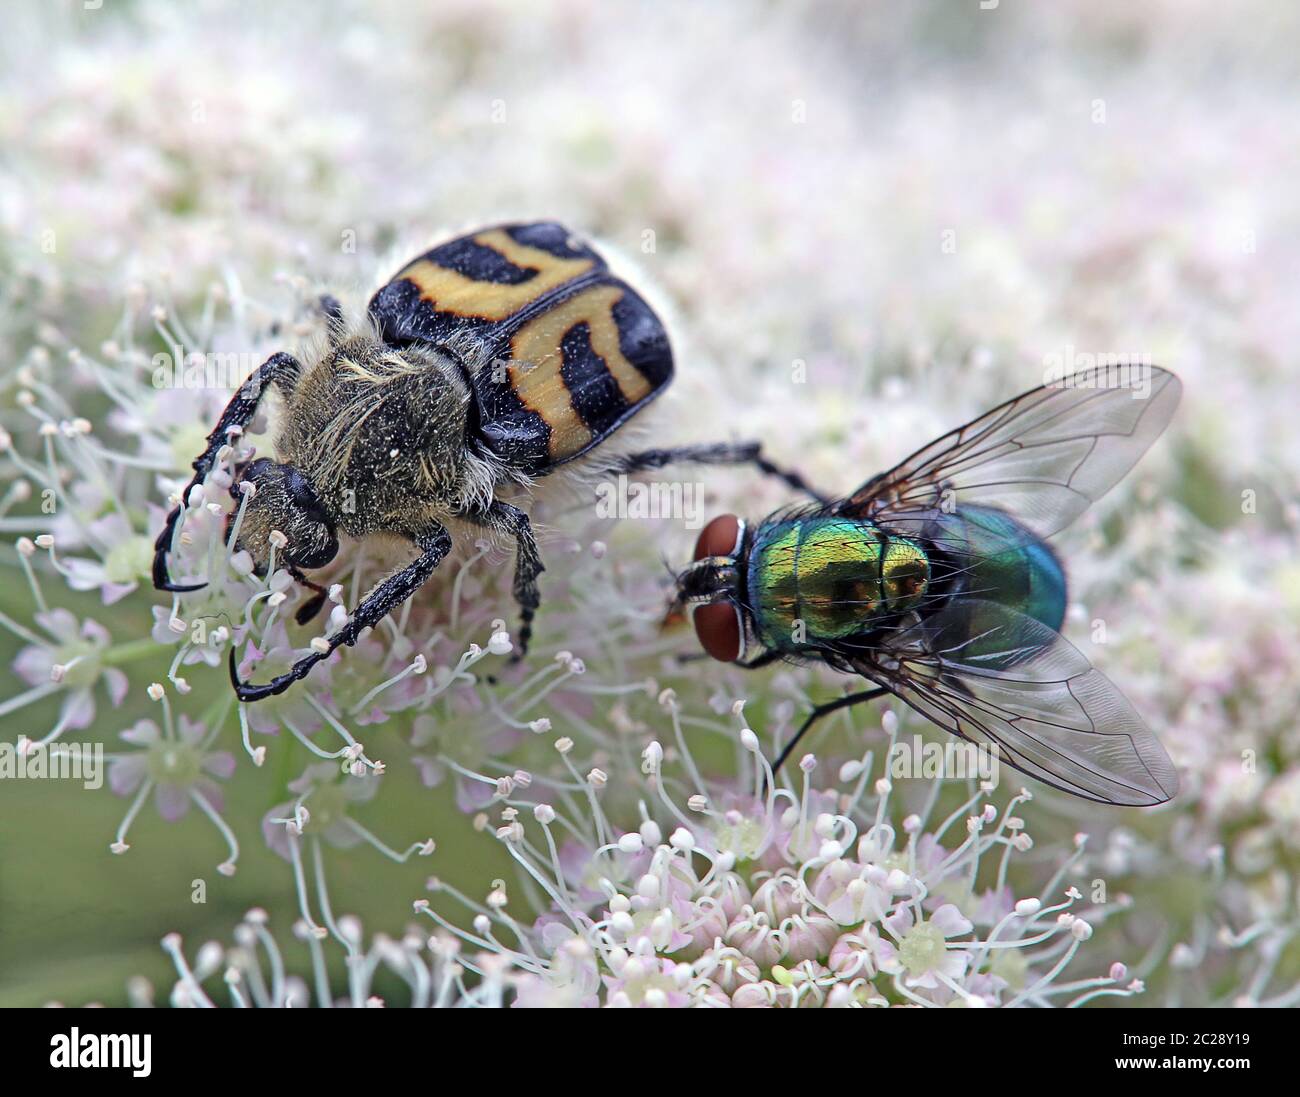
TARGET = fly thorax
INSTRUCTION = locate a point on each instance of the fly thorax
(826, 578)
(905, 575)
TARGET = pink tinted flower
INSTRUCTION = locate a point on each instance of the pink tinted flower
(177, 768)
(71, 661)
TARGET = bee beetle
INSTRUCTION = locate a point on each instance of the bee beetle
(487, 362)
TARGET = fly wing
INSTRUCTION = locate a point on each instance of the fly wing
(1043, 457)
(996, 677)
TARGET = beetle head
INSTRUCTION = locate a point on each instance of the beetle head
(282, 499)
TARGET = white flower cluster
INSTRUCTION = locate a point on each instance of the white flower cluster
(754, 893)
(850, 296)
(255, 973)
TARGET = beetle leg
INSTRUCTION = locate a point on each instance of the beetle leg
(505, 518)
(721, 453)
(335, 323)
(280, 369)
(434, 544)
(309, 609)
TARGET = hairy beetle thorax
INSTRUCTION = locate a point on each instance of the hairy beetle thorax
(380, 433)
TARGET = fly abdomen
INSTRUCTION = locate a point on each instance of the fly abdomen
(991, 556)
(826, 578)
(982, 555)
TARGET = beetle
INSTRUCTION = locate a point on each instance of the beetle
(485, 363)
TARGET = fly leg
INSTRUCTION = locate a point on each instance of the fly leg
(763, 660)
(721, 453)
(825, 710)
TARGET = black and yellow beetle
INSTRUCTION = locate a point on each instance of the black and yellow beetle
(491, 360)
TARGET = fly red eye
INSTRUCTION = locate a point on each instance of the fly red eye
(718, 627)
(721, 537)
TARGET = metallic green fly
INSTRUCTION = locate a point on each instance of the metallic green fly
(935, 583)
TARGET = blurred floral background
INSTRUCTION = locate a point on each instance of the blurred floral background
(867, 225)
